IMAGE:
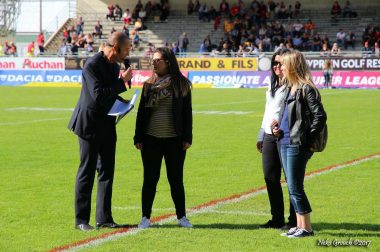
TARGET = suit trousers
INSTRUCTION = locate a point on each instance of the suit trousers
(171, 149)
(90, 151)
(272, 175)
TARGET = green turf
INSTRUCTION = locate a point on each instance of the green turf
(39, 160)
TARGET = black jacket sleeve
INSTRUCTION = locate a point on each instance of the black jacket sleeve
(97, 90)
(318, 115)
(187, 119)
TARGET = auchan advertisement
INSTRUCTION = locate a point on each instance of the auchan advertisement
(23, 63)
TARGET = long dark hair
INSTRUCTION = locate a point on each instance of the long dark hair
(275, 80)
(180, 83)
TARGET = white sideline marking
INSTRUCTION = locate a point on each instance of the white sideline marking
(228, 103)
(32, 121)
(38, 109)
(202, 209)
(240, 212)
(262, 100)
(205, 112)
(211, 211)
(139, 207)
(220, 112)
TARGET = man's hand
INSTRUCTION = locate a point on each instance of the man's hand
(259, 146)
(127, 75)
(139, 146)
(186, 145)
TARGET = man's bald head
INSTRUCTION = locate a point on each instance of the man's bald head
(118, 47)
(117, 38)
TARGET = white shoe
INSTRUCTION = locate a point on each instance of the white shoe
(144, 223)
(184, 222)
(291, 231)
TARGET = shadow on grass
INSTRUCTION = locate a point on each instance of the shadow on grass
(214, 226)
(346, 226)
(347, 229)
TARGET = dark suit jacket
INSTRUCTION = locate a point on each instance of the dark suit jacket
(100, 88)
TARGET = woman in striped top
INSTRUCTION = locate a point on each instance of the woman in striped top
(164, 130)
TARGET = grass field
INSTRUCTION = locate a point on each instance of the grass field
(39, 159)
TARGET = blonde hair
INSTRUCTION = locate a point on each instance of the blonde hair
(297, 68)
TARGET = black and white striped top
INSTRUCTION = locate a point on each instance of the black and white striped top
(161, 119)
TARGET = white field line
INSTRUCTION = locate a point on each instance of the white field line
(139, 207)
(207, 208)
(32, 121)
(38, 109)
(240, 212)
(194, 105)
(228, 103)
(205, 112)
(220, 112)
(335, 92)
(234, 212)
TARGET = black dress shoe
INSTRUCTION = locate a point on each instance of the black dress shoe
(288, 226)
(84, 227)
(110, 225)
(272, 224)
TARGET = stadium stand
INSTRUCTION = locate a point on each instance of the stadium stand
(168, 32)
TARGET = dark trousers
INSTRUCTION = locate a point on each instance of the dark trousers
(89, 153)
(272, 175)
(154, 149)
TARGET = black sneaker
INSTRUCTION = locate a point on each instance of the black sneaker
(272, 224)
(301, 233)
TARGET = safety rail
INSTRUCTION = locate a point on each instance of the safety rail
(138, 54)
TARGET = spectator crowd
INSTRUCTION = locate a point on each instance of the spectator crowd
(249, 27)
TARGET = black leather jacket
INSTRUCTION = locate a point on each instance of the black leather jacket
(307, 116)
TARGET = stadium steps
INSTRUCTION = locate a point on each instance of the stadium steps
(325, 24)
(160, 33)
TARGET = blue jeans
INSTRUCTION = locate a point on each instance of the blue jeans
(294, 159)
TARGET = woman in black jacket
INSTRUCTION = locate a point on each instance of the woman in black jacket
(303, 118)
(164, 130)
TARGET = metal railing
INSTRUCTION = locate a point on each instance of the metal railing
(344, 54)
(9, 11)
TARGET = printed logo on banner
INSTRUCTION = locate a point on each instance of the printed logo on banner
(236, 64)
(345, 63)
(230, 79)
(350, 79)
(17, 77)
(22, 63)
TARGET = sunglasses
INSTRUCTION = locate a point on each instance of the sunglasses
(155, 61)
(276, 64)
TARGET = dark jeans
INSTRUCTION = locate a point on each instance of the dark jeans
(272, 175)
(327, 79)
(294, 159)
(154, 149)
(89, 153)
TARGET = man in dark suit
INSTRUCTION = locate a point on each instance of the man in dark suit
(96, 130)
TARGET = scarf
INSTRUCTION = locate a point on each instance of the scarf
(159, 90)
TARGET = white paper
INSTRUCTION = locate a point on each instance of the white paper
(120, 108)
